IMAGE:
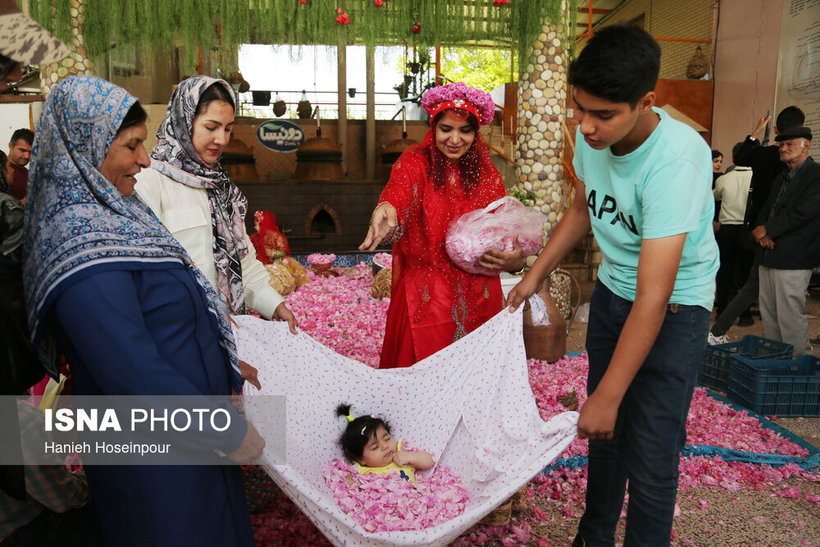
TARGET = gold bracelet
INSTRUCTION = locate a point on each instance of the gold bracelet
(519, 272)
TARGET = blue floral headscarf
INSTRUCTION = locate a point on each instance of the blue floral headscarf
(77, 222)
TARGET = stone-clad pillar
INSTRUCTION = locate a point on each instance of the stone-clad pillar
(77, 62)
(541, 100)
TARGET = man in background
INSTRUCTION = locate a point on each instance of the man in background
(789, 232)
(736, 255)
(22, 41)
(765, 163)
(20, 147)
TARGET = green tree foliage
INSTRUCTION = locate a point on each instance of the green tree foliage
(482, 68)
(208, 24)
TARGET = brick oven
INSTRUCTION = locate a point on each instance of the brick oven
(317, 216)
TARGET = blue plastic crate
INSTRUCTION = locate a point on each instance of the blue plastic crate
(776, 387)
(714, 369)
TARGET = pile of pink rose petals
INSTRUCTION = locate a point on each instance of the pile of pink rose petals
(387, 503)
(319, 258)
(340, 313)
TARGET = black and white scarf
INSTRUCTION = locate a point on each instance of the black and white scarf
(175, 157)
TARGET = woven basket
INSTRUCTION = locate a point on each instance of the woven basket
(503, 513)
(500, 515)
(299, 272)
(519, 499)
(280, 278)
(382, 283)
(561, 285)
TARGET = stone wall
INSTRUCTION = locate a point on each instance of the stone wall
(541, 100)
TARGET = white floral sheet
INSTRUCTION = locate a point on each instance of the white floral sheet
(470, 405)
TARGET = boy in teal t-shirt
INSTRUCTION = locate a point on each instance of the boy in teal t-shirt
(645, 190)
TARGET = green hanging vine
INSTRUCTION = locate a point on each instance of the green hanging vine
(210, 24)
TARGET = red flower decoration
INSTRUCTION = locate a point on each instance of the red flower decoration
(500, 2)
(343, 19)
(416, 28)
(303, 1)
(378, 3)
(340, 11)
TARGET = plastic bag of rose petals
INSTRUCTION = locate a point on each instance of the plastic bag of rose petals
(494, 227)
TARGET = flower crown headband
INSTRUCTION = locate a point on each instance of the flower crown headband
(461, 96)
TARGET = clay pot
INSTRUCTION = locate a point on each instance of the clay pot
(324, 270)
(545, 342)
(237, 159)
(319, 159)
(390, 153)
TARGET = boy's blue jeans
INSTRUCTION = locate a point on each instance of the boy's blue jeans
(650, 429)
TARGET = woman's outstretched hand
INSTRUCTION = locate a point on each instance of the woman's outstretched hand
(383, 222)
(500, 261)
(519, 294)
(282, 313)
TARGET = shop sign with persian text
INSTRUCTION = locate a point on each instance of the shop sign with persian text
(280, 135)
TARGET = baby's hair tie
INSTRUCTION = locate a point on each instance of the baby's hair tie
(350, 418)
(362, 433)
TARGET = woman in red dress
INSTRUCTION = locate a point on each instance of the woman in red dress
(434, 302)
(267, 238)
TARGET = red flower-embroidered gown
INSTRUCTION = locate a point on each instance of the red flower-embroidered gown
(433, 301)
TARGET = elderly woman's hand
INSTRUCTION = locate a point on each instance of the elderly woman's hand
(383, 222)
(251, 448)
(249, 373)
(503, 262)
(282, 313)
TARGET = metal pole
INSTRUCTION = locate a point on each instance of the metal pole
(438, 64)
(370, 124)
(341, 93)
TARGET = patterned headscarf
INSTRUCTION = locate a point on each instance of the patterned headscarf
(77, 221)
(175, 157)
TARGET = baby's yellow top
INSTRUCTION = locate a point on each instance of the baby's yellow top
(406, 472)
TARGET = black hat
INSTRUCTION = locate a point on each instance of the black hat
(794, 133)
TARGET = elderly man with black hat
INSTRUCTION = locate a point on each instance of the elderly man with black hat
(789, 232)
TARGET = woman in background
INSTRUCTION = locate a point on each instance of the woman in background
(267, 239)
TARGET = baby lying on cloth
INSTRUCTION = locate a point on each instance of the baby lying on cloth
(379, 488)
